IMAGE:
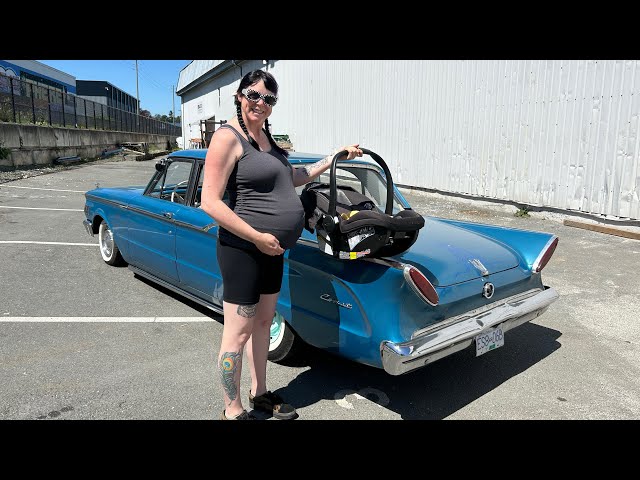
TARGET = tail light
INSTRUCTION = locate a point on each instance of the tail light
(545, 255)
(421, 285)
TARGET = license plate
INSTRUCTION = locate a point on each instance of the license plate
(489, 340)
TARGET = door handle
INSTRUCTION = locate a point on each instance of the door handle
(168, 215)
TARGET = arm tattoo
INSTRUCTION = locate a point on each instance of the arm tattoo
(320, 163)
(229, 363)
(247, 311)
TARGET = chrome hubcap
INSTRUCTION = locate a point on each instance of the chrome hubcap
(106, 244)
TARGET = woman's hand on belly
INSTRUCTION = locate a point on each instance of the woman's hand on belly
(268, 244)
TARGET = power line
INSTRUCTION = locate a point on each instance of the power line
(153, 81)
(149, 80)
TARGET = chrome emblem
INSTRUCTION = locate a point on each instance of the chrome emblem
(488, 289)
(479, 266)
(327, 298)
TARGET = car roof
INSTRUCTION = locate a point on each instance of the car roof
(294, 157)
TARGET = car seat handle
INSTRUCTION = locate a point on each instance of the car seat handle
(333, 194)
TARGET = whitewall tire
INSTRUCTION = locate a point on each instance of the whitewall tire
(108, 248)
(283, 342)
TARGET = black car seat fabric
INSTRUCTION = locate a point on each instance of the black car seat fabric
(349, 225)
(362, 228)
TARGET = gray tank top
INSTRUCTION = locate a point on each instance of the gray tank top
(261, 192)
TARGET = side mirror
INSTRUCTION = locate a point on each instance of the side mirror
(160, 166)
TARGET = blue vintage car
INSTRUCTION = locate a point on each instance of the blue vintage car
(460, 285)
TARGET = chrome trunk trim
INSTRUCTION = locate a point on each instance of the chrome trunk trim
(458, 333)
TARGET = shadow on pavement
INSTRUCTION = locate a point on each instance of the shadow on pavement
(433, 392)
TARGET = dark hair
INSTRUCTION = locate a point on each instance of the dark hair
(249, 79)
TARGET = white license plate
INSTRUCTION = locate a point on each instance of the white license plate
(489, 340)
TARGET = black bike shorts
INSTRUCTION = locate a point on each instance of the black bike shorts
(247, 274)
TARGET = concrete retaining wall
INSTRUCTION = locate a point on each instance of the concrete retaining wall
(40, 145)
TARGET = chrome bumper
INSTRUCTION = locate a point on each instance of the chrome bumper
(459, 333)
(89, 227)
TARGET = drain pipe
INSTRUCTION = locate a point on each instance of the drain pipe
(235, 64)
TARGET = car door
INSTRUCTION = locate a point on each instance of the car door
(196, 237)
(152, 227)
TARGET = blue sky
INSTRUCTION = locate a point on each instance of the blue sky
(155, 78)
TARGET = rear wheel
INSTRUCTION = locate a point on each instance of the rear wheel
(283, 342)
(108, 248)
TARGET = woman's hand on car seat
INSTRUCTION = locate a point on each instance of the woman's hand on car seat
(352, 152)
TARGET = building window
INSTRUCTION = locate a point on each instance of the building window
(41, 80)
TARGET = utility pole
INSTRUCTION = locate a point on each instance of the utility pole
(137, 91)
(173, 99)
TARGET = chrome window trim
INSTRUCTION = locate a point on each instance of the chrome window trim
(151, 214)
(189, 226)
(159, 174)
(107, 201)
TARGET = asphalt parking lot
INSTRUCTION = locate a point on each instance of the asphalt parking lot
(82, 340)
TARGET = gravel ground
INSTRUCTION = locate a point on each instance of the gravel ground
(9, 175)
(18, 174)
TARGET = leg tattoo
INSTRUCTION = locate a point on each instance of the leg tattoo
(228, 367)
(247, 311)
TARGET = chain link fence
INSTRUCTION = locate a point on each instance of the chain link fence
(25, 102)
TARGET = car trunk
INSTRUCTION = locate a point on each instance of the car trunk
(449, 254)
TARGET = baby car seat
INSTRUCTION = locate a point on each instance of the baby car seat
(349, 225)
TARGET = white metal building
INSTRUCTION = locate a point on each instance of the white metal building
(554, 133)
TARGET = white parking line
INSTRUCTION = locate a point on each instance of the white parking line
(34, 208)
(50, 243)
(106, 319)
(48, 189)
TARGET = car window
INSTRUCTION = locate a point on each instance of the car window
(198, 194)
(363, 180)
(173, 182)
(375, 188)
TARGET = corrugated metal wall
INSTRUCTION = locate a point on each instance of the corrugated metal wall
(558, 133)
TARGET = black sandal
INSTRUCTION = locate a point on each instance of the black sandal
(274, 404)
(242, 416)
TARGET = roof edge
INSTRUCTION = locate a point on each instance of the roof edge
(214, 72)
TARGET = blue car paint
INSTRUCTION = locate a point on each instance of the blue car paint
(528, 243)
(196, 255)
(436, 254)
(152, 236)
(326, 308)
(344, 307)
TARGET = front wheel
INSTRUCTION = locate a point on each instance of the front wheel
(108, 248)
(283, 342)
